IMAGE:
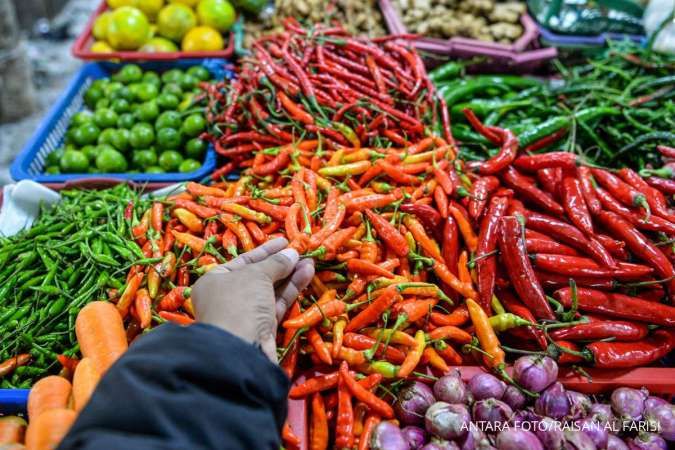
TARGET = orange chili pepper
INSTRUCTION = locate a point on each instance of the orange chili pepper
(344, 427)
(289, 437)
(319, 346)
(376, 404)
(486, 335)
(434, 359)
(373, 311)
(143, 305)
(414, 355)
(368, 428)
(244, 237)
(338, 335)
(129, 294)
(463, 268)
(448, 353)
(450, 332)
(447, 277)
(157, 216)
(423, 240)
(196, 244)
(315, 314)
(470, 238)
(319, 428)
(177, 318)
(190, 220)
(199, 190)
(174, 299)
(367, 268)
(457, 317)
(441, 199)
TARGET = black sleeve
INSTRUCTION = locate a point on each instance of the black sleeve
(195, 387)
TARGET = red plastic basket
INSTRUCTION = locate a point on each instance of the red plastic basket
(82, 47)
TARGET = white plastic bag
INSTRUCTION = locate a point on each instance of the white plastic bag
(657, 11)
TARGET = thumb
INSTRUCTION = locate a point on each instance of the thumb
(280, 265)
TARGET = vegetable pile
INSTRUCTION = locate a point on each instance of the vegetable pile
(613, 110)
(75, 252)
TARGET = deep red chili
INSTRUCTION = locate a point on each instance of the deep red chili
(524, 186)
(486, 263)
(533, 163)
(480, 194)
(575, 205)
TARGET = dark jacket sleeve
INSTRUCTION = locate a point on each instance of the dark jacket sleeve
(195, 387)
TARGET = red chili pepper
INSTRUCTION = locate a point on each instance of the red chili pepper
(486, 264)
(480, 194)
(520, 270)
(514, 306)
(368, 428)
(554, 281)
(277, 212)
(597, 329)
(655, 223)
(376, 404)
(578, 266)
(373, 311)
(621, 355)
(533, 163)
(575, 206)
(275, 165)
(177, 318)
(371, 201)
(367, 268)
(656, 200)
(361, 342)
(666, 186)
(566, 359)
(450, 247)
(530, 192)
(536, 245)
(313, 385)
(344, 426)
(546, 140)
(425, 213)
(174, 299)
(507, 140)
(9, 365)
(588, 189)
(623, 192)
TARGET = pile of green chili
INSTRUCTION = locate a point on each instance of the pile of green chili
(74, 252)
(614, 110)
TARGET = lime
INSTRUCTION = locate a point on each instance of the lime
(169, 138)
(170, 160)
(121, 106)
(150, 7)
(172, 75)
(175, 20)
(159, 45)
(218, 14)
(85, 134)
(168, 119)
(187, 82)
(106, 137)
(155, 169)
(90, 151)
(122, 92)
(128, 28)
(74, 161)
(93, 94)
(142, 135)
(189, 165)
(199, 72)
(193, 125)
(80, 118)
(202, 39)
(148, 111)
(100, 27)
(110, 160)
(120, 139)
(54, 157)
(101, 47)
(130, 73)
(167, 101)
(126, 120)
(190, 3)
(52, 170)
(173, 89)
(152, 78)
(144, 158)
(101, 83)
(103, 103)
(195, 148)
(105, 118)
(146, 91)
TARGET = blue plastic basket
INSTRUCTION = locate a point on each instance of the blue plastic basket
(576, 41)
(13, 401)
(29, 164)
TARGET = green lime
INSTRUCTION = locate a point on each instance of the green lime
(148, 111)
(195, 148)
(189, 165)
(112, 87)
(172, 88)
(130, 73)
(120, 139)
(142, 135)
(70, 135)
(188, 82)
(93, 95)
(169, 138)
(199, 72)
(86, 134)
(126, 120)
(168, 119)
(193, 125)
(111, 161)
(101, 83)
(167, 101)
(80, 118)
(144, 158)
(121, 106)
(155, 169)
(170, 160)
(103, 103)
(146, 92)
(152, 78)
(172, 75)
(54, 158)
(52, 170)
(105, 118)
(74, 161)
(90, 151)
(124, 92)
(107, 136)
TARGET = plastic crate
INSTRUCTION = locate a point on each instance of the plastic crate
(522, 55)
(29, 164)
(548, 37)
(82, 47)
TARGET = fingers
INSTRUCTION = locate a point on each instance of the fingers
(278, 266)
(289, 291)
(257, 254)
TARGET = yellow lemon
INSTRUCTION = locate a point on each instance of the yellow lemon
(101, 25)
(114, 4)
(150, 7)
(101, 47)
(202, 39)
(158, 45)
(175, 20)
(190, 3)
(218, 14)
(128, 28)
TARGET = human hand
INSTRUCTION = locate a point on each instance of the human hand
(249, 295)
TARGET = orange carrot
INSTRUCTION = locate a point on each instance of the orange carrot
(52, 392)
(47, 430)
(12, 430)
(84, 382)
(101, 335)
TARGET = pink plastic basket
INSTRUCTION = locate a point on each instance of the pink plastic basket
(82, 47)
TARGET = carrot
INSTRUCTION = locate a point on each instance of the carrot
(12, 430)
(47, 430)
(52, 392)
(84, 382)
(101, 335)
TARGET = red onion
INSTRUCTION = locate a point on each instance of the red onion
(515, 439)
(594, 430)
(447, 421)
(440, 445)
(615, 443)
(577, 440)
(602, 412)
(663, 417)
(485, 385)
(652, 402)
(451, 389)
(549, 433)
(414, 436)
(535, 373)
(387, 436)
(495, 412)
(514, 397)
(475, 439)
(628, 403)
(647, 441)
(413, 401)
(580, 404)
(553, 402)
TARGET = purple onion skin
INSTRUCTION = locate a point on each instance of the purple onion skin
(485, 385)
(514, 397)
(663, 417)
(387, 436)
(594, 430)
(615, 443)
(647, 441)
(414, 436)
(475, 439)
(515, 439)
(451, 389)
(440, 445)
(413, 401)
(553, 402)
(447, 421)
(494, 412)
(523, 416)
(578, 440)
(603, 414)
(550, 434)
(535, 373)
(580, 404)
(628, 403)
(652, 402)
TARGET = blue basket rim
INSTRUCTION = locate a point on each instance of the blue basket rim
(598, 40)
